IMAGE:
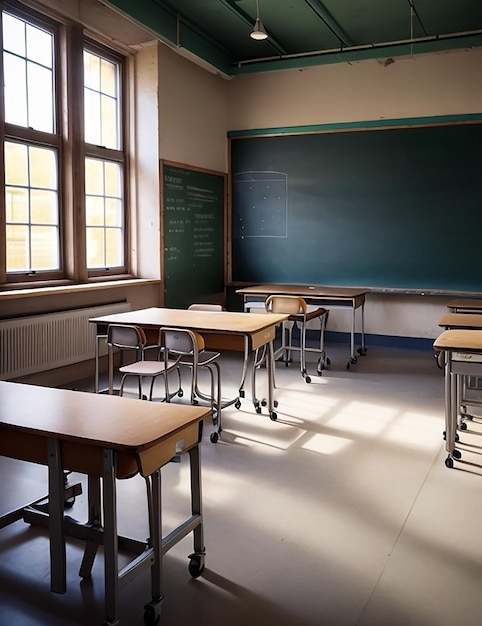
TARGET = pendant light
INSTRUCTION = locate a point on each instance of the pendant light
(258, 32)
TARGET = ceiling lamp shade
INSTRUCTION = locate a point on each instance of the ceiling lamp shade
(258, 31)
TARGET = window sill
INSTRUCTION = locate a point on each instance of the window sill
(78, 288)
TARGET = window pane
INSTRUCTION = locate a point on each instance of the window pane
(104, 209)
(13, 34)
(16, 201)
(114, 247)
(113, 212)
(29, 75)
(43, 207)
(15, 72)
(95, 248)
(94, 211)
(112, 180)
(92, 121)
(18, 251)
(44, 248)
(16, 164)
(40, 114)
(94, 177)
(91, 71)
(32, 211)
(43, 168)
(39, 46)
(109, 121)
(101, 97)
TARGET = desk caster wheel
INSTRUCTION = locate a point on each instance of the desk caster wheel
(214, 437)
(362, 351)
(152, 612)
(457, 454)
(258, 409)
(237, 404)
(273, 416)
(196, 565)
(463, 426)
(308, 379)
(449, 462)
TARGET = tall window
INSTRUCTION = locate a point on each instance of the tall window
(63, 152)
(103, 176)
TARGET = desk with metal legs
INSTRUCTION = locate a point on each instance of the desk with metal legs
(106, 438)
(221, 330)
(329, 297)
(463, 350)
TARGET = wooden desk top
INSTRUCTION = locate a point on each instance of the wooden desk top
(202, 321)
(465, 303)
(87, 422)
(459, 339)
(461, 320)
(315, 291)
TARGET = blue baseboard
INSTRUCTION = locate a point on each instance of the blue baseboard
(387, 341)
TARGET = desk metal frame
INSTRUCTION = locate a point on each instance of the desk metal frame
(329, 297)
(35, 428)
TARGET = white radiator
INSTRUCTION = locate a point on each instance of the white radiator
(42, 342)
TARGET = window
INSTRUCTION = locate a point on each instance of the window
(64, 165)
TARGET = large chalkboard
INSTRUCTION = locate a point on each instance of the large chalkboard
(396, 208)
(193, 234)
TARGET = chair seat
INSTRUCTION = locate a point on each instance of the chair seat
(146, 368)
(309, 315)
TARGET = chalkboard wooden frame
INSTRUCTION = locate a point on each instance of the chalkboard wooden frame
(393, 222)
(193, 234)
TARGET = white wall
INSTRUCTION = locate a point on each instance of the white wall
(422, 86)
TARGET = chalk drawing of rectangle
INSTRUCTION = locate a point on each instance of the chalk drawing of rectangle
(260, 204)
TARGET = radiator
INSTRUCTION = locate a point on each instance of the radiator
(42, 342)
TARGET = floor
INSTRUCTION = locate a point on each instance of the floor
(339, 513)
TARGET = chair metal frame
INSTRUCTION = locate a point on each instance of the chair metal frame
(131, 337)
(187, 347)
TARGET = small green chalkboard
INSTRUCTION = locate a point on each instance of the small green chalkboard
(193, 205)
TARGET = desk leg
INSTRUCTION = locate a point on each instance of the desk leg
(111, 577)
(196, 559)
(362, 313)
(451, 411)
(58, 582)
(98, 339)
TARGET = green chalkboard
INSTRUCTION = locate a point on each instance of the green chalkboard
(193, 205)
(396, 208)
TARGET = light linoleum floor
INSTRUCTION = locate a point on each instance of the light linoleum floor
(339, 513)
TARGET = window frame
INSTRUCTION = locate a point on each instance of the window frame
(70, 41)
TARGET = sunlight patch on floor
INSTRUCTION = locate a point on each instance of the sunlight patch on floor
(326, 444)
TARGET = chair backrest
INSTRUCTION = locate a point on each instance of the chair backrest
(181, 341)
(126, 336)
(289, 305)
(206, 307)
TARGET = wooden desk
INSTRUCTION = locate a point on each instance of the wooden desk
(461, 320)
(105, 437)
(463, 349)
(330, 297)
(465, 305)
(222, 330)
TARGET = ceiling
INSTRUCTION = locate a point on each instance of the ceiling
(303, 33)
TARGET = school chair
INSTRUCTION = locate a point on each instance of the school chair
(187, 349)
(298, 312)
(130, 337)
